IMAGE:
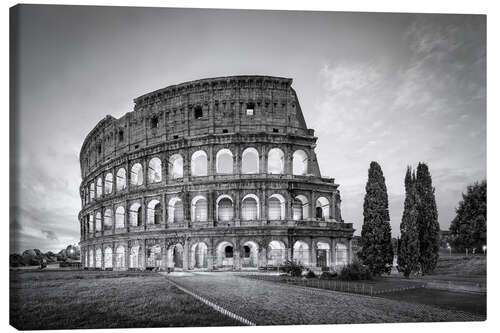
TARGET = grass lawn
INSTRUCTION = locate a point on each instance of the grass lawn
(83, 299)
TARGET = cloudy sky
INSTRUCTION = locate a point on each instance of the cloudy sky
(394, 88)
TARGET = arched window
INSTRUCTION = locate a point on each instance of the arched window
(340, 254)
(91, 191)
(91, 258)
(136, 175)
(134, 257)
(322, 208)
(300, 208)
(108, 258)
(99, 187)
(108, 222)
(225, 210)
(98, 258)
(276, 253)
(250, 208)
(98, 221)
(108, 183)
(276, 204)
(224, 161)
(175, 210)
(301, 253)
(176, 166)
(120, 217)
(120, 257)
(135, 216)
(92, 226)
(154, 170)
(250, 161)
(199, 209)
(199, 165)
(323, 254)
(154, 212)
(299, 163)
(121, 179)
(275, 161)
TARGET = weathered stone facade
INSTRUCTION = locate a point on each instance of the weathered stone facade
(211, 174)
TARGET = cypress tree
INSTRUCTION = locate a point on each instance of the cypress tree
(409, 249)
(377, 252)
(427, 220)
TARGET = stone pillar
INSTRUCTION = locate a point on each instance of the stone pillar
(210, 256)
(263, 159)
(312, 252)
(288, 161)
(144, 254)
(163, 255)
(164, 209)
(349, 250)
(113, 219)
(144, 209)
(185, 256)
(127, 256)
(237, 208)
(263, 255)
(103, 257)
(312, 205)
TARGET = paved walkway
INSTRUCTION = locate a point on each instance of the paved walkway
(268, 303)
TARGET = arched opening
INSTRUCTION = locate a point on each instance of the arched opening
(153, 257)
(175, 210)
(322, 208)
(224, 161)
(91, 225)
(154, 170)
(120, 217)
(99, 187)
(154, 213)
(199, 252)
(276, 208)
(276, 253)
(108, 220)
(108, 258)
(91, 258)
(120, 257)
(176, 166)
(175, 256)
(299, 163)
(250, 255)
(250, 208)
(121, 179)
(225, 255)
(108, 183)
(91, 191)
(323, 254)
(250, 161)
(300, 208)
(136, 175)
(98, 258)
(225, 211)
(199, 208)
(135, 216)
(199, 164)
(275, 161)
(98, 221)
(340, 254)
(134, 257)
(301, 253)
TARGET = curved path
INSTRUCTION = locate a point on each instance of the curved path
(268, 303)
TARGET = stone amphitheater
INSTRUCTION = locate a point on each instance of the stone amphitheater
(213, 174)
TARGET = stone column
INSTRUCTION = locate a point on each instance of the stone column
(164, 209)
(163, 255)
(127, 257)
(144, 254)
(185, 256)
(312, 252)
(210, 255)
(143, 212)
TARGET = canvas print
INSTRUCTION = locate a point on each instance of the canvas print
(216, 167)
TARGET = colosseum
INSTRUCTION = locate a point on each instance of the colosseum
(213, 174)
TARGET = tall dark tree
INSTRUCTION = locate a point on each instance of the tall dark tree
(376, 252)
(409, 248)
(468, 228)
(427, 219)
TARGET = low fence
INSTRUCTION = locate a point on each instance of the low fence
(370, 289)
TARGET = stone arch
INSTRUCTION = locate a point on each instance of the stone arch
(199, 163)
(275, 161)
(137, 175)
(135, 214)
(135, 257)
(301, 253)
(225, 254)
(199, 209)
(176, 166)
(108, 183)
(154, 170)
(322, 210)
(92, 191)
(250, 161)
(199, 255)
(99, 187)
(276, 253)
(175, 256)
(224, 161)
(299, 163)
(120, 257)
(108, 258)
(154, 257)
(98, 221)
(276, 207)
(300, 207)
(250, 208)
(98, 257)
(249, 254)
(154, 212)
(120, 217)
(323, 253)
(225, 208)
(175, 210)
(121, 179)
(108, 219)
(91, 258)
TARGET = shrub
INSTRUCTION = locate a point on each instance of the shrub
(328, 275)
(355, 271)
(310, 275)
(292, 268)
